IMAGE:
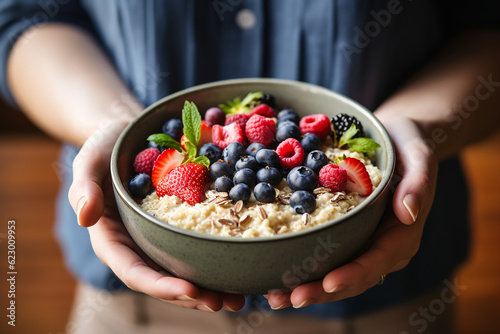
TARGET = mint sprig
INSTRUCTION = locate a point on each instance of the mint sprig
(239, 106)
(165, 140)
(191, 120)
(361, 144)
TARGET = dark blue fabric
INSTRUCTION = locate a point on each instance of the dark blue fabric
(351, 46)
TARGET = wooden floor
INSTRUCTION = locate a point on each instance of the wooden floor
(28, 186)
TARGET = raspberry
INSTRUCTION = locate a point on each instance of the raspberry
(317, 124)
(188, 182)
(263, 110)
(240, 119)
(225, 135)
(290, 152)
(333, 177)
(261, 130)
(145, 160)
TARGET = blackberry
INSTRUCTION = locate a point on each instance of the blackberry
(342, 122)
(268, 99)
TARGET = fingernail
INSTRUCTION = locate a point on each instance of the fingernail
(227, 308)
(79, 208)
(411, 204)
(185, 298)
(205, 308)
(278, 307)
(337, 288)
(305, 303)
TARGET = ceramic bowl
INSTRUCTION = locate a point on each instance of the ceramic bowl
(250, 265)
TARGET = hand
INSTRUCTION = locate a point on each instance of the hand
(398, 235)
(93, 201)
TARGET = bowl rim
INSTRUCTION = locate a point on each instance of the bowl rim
(131, 203)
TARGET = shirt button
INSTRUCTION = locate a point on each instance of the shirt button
(245, 19)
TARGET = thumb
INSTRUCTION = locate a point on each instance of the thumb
(90, 170)
(416, 168)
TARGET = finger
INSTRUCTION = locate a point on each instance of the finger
(134, 272)
(417, 168)
(233, 302)
(391, 252)
(279, 299)
(308, 294)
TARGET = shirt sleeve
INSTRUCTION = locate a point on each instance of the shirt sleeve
(18, 16)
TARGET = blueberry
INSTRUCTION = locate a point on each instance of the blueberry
(220, 168)
(288, 115)
(302, 178)
(252, 149)
(152, 144)
(316, 160)
(211, 151)
(223, 184)
(233, 152)
(288, 131)
(310, 142)
(303, 201)
(140, 186)
(285, 122)
(284, 171)
(246, 176)
(264, 192)
(240, 192)
(268, 157)
(270, 175)
(173, 128)
(247, 162)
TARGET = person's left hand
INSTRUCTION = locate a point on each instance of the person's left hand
(398, 235)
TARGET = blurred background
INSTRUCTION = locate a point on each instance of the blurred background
(44, 290)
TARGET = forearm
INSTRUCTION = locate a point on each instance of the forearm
(63, 81)
(456, 99)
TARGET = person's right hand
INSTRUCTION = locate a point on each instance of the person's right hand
(92, 198)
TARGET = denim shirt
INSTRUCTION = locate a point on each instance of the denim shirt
(364, 49)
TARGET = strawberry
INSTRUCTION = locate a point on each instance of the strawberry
(240, 119)
(358, 179)
(168, 160)
(224, 135)
(290, 152)
(145, 160)
(188, 182)
(317, 124)
(261, 129)
(333, 177)
(205, 136)
(263, 110)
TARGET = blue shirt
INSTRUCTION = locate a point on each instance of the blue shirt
(363, 49)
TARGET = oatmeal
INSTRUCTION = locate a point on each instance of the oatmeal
(217, 215)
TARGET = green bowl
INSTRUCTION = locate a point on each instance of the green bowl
(250, 265)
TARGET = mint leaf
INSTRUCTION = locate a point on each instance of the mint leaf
(191, 119)
(165, 140)
(202, 160)
(363, 145)
(347, 135)
(191, 150)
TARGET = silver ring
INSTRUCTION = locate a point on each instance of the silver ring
(382, 279)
